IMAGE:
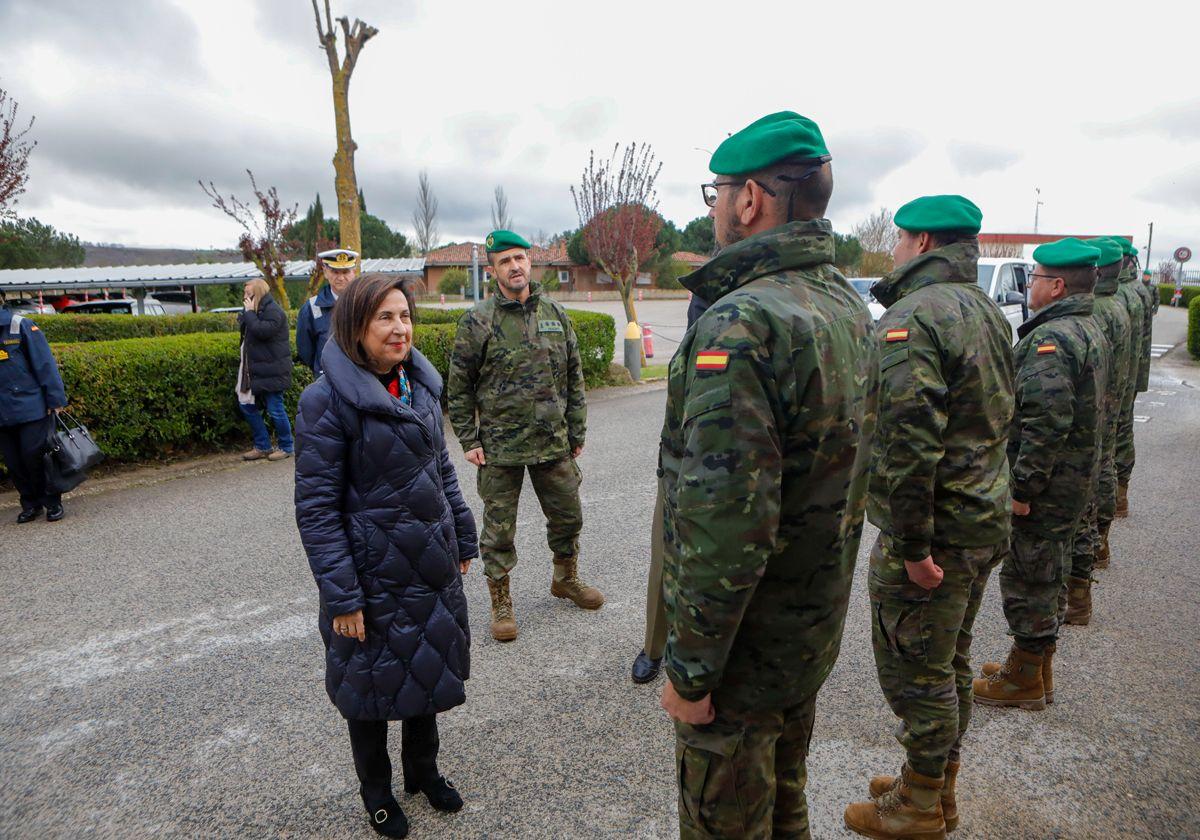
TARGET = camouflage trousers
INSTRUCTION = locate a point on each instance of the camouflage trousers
(1106, 488)
(1124, 450)
(1032, 576)
(656, 608)
(922, 641)
(743, 775)
(1086, 542)
(556, 485)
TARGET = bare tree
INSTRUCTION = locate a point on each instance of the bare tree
(345, 179)
(263, 240)
(541, 238)
(425, 216)
(1166, 272)
(877, 233)
(501, 220)
(1012, 250)
(616, 204)
(14, 156)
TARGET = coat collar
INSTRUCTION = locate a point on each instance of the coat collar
(363, 390)
(1106, 280)
(789, 246)
(325, 296)
(1070, 305)
(957, 263)
(504, 302)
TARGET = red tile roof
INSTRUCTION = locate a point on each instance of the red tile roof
(460, 254)
(689, 257)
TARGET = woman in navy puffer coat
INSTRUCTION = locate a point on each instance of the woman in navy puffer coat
(388, 537)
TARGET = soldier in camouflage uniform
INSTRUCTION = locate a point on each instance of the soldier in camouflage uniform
(940, 496)
(516, 402)
(770, 407)
(1062, 362)
(1090, 548)
(1133, 293)
(1154, 299)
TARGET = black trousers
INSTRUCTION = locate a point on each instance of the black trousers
(22, 447)
(418, 753)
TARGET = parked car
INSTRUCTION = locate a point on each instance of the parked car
(26, 306)
(1006, 279)
(227, 309)
(120, 306)
(863, 285)
(174, 302)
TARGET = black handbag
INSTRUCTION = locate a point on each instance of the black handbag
(70, 454)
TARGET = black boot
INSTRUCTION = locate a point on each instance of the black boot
(645, 669)
(418, 758)
(28, 515)
(389, 820)
(55, 513)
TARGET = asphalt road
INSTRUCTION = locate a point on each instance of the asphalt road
(163, 674)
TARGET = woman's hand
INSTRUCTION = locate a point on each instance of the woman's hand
(350, 625)
(249, 304)
(465, 566)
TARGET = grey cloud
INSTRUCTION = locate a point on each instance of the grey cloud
(979, 158)
(483, 137)
(1177, 121)
(862, 160)
(584, 120)
(291, 21)
(1178, 190)
(147, 35)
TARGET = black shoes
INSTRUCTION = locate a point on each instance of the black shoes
(440, 793)
(389, 820)
(28, 515)
(645, 669)
(55, 513)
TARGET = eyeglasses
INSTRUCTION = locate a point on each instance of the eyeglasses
(709, 191)
(1046, 276)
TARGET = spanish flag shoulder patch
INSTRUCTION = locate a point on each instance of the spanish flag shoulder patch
(712, 360)
(896, 335)
(1044, 349)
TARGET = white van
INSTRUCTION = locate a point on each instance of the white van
(1005, 280)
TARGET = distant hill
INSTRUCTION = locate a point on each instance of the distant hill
(97, 255)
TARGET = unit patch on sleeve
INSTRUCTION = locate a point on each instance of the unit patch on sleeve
(712, 360)
(896, 335)
(1043, 349)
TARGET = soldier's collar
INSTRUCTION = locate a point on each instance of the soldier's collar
(790, 246)
(955, 263)
(1070, 305)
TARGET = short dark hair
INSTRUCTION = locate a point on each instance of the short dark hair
(1079, 279)
(355, 308)
(801, 192)
(942, 238)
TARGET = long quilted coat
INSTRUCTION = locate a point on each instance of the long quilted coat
(384, 525)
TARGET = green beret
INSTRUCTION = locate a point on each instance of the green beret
(1110, 250)
(938, 213)
(1126, 246)
(1066, 253)
(777, 137)
(502, 240)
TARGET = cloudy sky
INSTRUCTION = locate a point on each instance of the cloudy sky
(1096, 104)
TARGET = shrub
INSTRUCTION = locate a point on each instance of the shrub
(597, 335)
(454, 281)
(1167, 291)
(72, 328)
(550, 280)
(1193, 333)
(669, 279)
(432, 315)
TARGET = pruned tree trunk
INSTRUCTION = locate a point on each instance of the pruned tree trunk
(345, 180)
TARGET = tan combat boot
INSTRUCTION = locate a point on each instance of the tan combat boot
(909, 810)
(990, 668)
(1102, 553)
(1017, 683)
(1079, 601)
(1122, 510)
(504, 625)
(882, 784)
(566, 584)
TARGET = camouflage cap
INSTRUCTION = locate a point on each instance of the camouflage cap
(776, 137)
(502, 240)
(1066, 253)
(1110, 251)
(939, 213)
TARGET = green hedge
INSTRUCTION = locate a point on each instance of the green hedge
(1193, 339)
(1166, 292)
(597, 335)
(72, 328)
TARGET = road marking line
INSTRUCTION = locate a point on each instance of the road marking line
(1140, 419)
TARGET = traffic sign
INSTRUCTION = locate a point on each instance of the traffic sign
(1183, 254)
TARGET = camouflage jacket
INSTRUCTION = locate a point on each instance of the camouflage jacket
(939, 475)
(1149, 307)
(516, 381)
(765, 446)
(1129, 289)
(1056, 441)
(1112, 317)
